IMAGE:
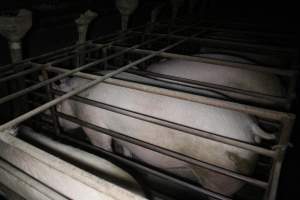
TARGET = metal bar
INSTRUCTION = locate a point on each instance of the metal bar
(86, 66)
(252, 47)
(11, 69)
(74, 55)
(37, 86)
(24, 185)
(230, 23)
(68, 180)
(251, 110)
(253, 67)
(246, 32)
(287, 123)
(79, 89)
(81, 157)
(86, 51)
(136, 165)
(165, 151)
(211, 85)
(50, 97)
(22, 73)
(172, 125)
(25, 61)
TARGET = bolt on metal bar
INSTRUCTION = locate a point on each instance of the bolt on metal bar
(172, 125)
(251, 110)
(144, 168)
(165, 151)
(79, 89)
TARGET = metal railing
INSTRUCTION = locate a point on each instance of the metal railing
(284, 119)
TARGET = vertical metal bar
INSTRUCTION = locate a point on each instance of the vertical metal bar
(50, 97)
(287, 125)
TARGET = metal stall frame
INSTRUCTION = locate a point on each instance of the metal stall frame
(285, 119)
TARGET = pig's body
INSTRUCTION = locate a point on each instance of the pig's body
(207, 118)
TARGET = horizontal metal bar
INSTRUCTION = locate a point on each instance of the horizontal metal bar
(223, 24)
(46, 82)
(79, 89)
(83, 67)
(80, 52)
(172, 125)
(211, 85)
(25, 185)
(252, 67)
(251, 110)
(25, 61)
(22, 73)
(86, 51)
(63, 177)
(144, 168)
(165, 151)
(276, 36)
(252, 47)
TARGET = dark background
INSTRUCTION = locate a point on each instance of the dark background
(54, 27)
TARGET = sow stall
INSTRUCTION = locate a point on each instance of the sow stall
(132, 51)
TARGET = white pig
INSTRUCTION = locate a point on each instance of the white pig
(216, 120)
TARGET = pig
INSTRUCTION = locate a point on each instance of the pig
(219, 121)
